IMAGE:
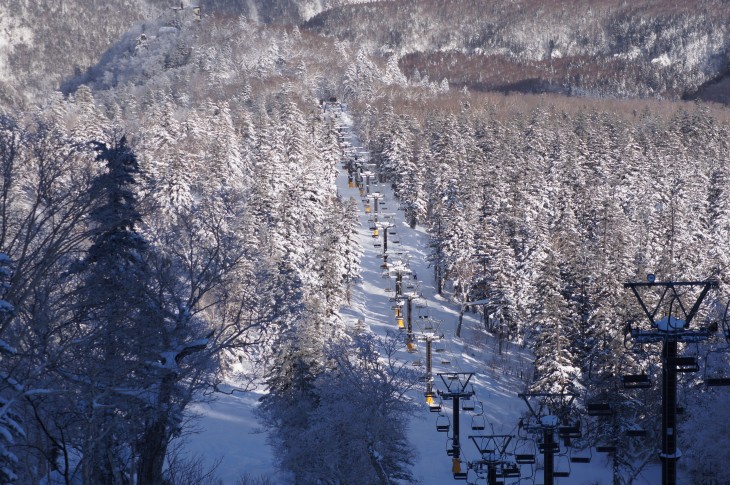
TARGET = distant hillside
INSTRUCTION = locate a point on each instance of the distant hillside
(44, 43)
(647, 48)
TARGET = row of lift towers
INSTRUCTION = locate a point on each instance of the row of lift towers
(552, 426)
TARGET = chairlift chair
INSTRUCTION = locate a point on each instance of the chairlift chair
(598, 408)
(570, 430)
(450, 447)
(524, 451)
(686, 364)
(584, 457)
(636, 432)
(468, 405)
(478, 422)
(606, 448)
(443, 424)
(460, 472)
(714, 377)
(525, 458)
(543, 447)
(510, 470)
(636, 381)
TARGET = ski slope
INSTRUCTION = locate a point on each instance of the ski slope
(228, 430)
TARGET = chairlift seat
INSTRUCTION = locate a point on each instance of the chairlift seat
(686, 364)
(569, 431)
(598, 409)
(468, 405)
(459, 475)
(435, 408)
(634, 433)
(580, 459)
(543, 447)
(606, 449)
(636, 381)
(525, 458)
(717, 381)
(561, 474)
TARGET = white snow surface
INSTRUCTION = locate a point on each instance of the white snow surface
(228, 430)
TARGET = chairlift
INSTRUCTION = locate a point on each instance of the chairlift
(716, 375)
(443, 424)
(636, 381)
(410, 347)
(562, 467)
(510, 470)
(459, 471)
(375, 232)
(434, 406)
(571, 430)
(524, 451)
(445, 361)
(525, 458)
(606, 448)
(450, 447)
(543, 447)
(584, 457)
(439, 347)
(636, 432)
(686, 364)
(478, 422)
(468, 405)
(417, 363)
(598, 408)
(401, 323)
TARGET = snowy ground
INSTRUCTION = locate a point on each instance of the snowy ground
(229, 432)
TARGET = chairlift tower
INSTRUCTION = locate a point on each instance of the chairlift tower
(493, 450)
(429, 338)
(550, 410)
(670, 327)
(457, 387)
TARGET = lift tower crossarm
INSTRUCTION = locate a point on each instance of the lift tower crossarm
(671, 286)
(671, 333)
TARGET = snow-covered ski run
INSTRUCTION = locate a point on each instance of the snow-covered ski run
(228, 433)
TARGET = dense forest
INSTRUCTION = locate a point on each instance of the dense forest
(170, 221)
